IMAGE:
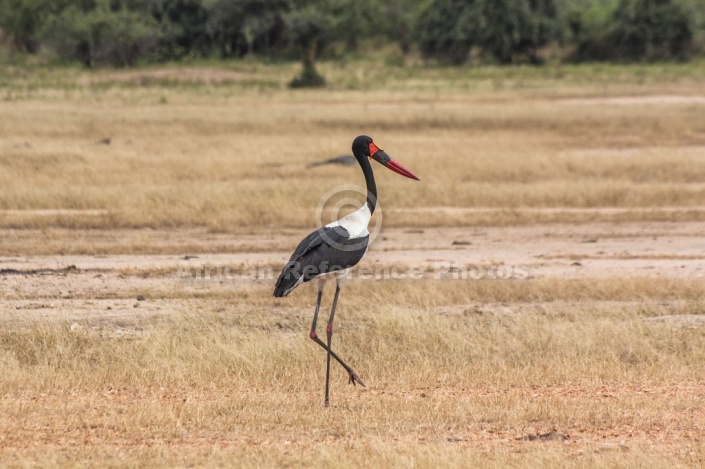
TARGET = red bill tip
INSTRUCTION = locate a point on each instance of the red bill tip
(399, 169)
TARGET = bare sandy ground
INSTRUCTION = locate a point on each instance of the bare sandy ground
(636, 100)
(658, 249)
(108, 286)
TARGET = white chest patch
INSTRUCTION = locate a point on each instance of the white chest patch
(356, 223)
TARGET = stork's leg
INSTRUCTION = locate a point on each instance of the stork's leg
(315, 314)
(329, 335)
(354, 379)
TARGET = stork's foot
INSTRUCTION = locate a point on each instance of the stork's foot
(354, 379)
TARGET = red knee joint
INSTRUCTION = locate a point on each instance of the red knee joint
(329, 329)
(313, 334)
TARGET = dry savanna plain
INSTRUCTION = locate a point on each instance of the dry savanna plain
(536, 300)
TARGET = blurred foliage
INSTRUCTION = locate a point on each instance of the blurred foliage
(21, 21)
(183, 26)
(244, 27)
(633, 30)
(124, 32)
(309, 29)
(118, 32)
(443, 31)
(504, 30)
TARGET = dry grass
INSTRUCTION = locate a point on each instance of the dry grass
(493, 373)
(229, 158)
(242, 387)
(216, 378)
(117, 362)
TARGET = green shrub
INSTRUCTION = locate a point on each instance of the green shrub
(635, 30)
(505, 30)
(183, 28)
(242, 27)
(103, 31)
(309, 78)
(443, 31)
(22, 21)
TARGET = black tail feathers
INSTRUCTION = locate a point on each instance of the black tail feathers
(287, 281)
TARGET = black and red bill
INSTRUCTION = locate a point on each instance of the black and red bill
(399, 169)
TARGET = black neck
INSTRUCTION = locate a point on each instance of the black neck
(369, 182)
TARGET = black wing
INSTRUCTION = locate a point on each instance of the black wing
(327, 249)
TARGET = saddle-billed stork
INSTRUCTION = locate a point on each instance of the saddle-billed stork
(331, 251)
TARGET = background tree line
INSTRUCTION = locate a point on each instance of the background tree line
(124, 32)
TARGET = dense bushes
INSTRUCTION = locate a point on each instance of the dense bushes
(635, 30)
(121, 32)
(103, 31)
(510, 30)
(22, 21)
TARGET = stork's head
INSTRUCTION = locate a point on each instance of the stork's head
(363, 146)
